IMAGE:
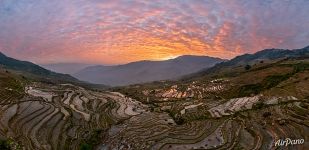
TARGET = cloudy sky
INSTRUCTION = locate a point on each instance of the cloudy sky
(115, 32)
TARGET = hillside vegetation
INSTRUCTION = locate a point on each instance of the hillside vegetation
(239, 106)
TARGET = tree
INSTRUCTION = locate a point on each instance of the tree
(247, 67)
(266, 114)
(4, 145)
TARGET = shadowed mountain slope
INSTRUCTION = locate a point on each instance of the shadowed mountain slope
(146, 71)
(37, 73)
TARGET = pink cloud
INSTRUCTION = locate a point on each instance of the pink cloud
(123, 31)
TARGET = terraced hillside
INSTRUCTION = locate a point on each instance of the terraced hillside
(245, 109)
(252, 110)
(61, 117)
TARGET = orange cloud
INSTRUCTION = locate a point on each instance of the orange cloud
(120, 31)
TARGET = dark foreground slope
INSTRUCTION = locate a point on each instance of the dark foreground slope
(34, 72)
(33, 69)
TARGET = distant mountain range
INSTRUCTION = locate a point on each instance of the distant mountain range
(268, 54)
(67, 68)
(258, 57)
(186, 66)
(145, 71)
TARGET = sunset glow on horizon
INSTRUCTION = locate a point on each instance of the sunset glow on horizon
(116, 32)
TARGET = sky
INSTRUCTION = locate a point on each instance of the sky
(117, 32)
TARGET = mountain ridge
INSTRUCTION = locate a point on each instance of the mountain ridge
(29, 67)
(145, 70)
(249, 59)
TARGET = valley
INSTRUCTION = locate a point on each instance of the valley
(145, 71)
(217, 111)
